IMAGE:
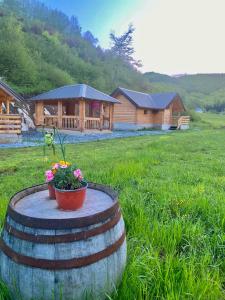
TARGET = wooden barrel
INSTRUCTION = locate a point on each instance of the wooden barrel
(46, 253)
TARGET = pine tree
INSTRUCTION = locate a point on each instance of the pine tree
(122, 46)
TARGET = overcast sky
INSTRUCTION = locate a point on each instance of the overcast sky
(172, 36)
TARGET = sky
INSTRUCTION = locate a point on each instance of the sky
(171, 36)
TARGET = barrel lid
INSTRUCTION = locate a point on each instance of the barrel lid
(31, 207)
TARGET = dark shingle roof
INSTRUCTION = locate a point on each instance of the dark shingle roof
(75, 92)
(143, 100)
(10, 91)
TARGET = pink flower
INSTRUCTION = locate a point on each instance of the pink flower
(63, 166)
(49, 175)
(77, 173)
(56, 166)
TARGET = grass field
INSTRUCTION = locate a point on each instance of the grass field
(172, 193)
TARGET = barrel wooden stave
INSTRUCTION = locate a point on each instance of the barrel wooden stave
(97, 278)
(64, 250)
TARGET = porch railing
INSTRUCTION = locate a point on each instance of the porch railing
(10, 124)
(178, 121)
(183, 120)
(51, 121)
(92, 123)
(71, 122)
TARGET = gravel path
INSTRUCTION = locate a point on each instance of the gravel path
(35, 138)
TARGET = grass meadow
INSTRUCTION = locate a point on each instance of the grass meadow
(172, 193)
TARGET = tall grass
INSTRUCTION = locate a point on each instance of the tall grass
(172, 191)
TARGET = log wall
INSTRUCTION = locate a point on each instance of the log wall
(124, 112)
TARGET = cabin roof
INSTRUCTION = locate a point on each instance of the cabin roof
(75, 92)
(5, 87)
(144, 100)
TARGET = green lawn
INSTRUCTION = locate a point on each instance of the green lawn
(210, 120)
(172, 193)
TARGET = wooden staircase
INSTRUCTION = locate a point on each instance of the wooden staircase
(178, 122)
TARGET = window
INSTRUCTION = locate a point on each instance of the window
(145, 111)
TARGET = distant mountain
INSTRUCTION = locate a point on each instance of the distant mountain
(198, 90)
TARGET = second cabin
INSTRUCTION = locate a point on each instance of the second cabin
(140, 110)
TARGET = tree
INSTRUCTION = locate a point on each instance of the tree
(88, 36)
(122, 46)
(74, 25)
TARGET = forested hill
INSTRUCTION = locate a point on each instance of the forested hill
(201, 90)
(41, 49)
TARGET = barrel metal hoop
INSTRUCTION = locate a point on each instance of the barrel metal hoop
(65, 223)
(63, 238)
(61, 264)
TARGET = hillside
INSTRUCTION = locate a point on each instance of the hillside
(43, 48)
(204, 90)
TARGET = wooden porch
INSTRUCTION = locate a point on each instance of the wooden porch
(179, 121)
(77, 115)
(10, 122)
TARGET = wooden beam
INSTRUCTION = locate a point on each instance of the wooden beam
(101, 115)
(60, 112)
(7, 106)
(111, 109)
(82, 114)
(39, 113)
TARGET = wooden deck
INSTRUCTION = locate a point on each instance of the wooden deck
(10, 124)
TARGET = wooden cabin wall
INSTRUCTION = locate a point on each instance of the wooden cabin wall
(177, 106)
(158, 117)
(152, 116)
(124, 112)
(167, 115)
(143, 118)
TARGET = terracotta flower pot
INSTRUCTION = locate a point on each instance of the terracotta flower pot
(51, 192)
(72, 199)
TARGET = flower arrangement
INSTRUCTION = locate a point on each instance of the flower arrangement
(65, 176)
(65, 181)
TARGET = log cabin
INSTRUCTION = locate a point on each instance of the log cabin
(141, 110)
(74, 107)
(10, 119)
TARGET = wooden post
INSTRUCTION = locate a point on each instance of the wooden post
(0, 107)
(82, 115)
(39, 113)
(60, 114)
(7, 106)
(111, 108)
(101, 115)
